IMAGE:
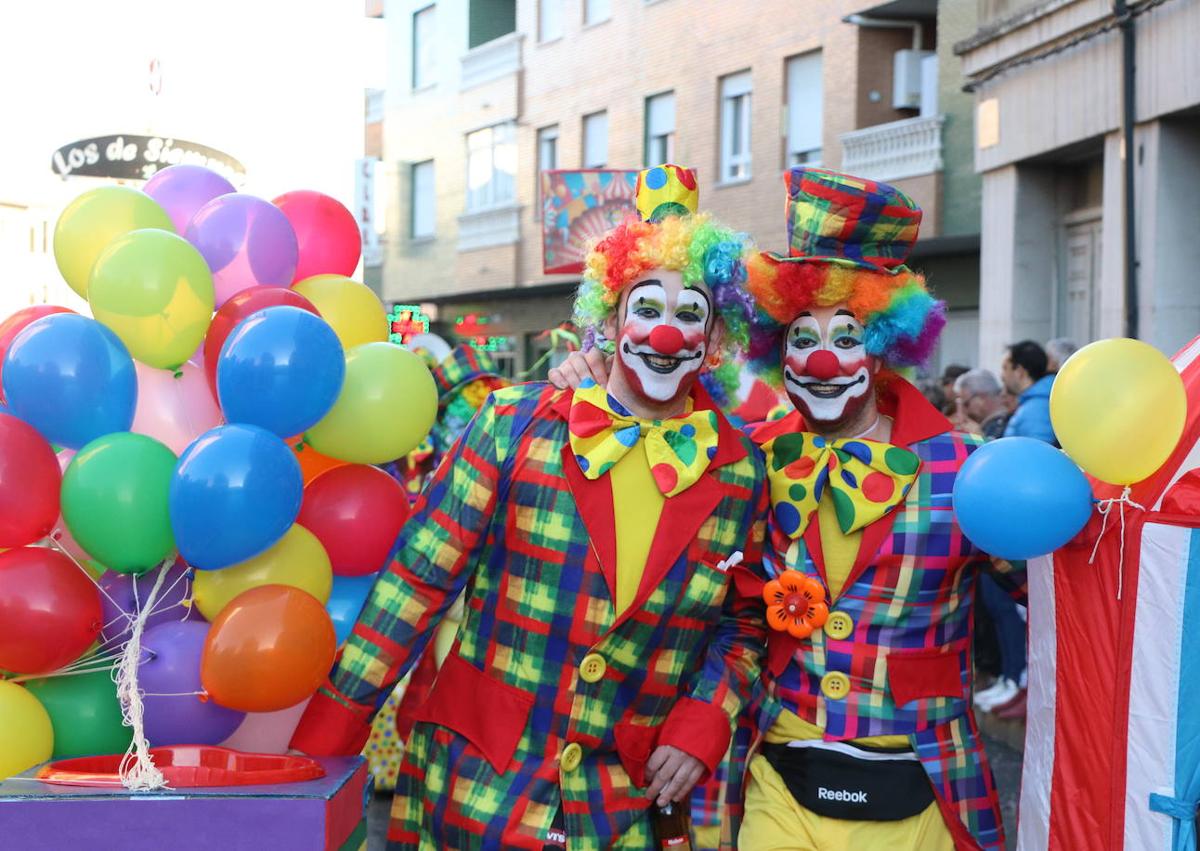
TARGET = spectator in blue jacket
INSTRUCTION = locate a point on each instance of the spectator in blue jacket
(1024, 375)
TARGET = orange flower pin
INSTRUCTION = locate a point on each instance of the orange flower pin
(795, 604)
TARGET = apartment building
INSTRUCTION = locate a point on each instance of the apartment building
(1089, 163)
(484, 95)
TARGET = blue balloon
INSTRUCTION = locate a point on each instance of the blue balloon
(70, 378)
(236, 490)
(281, 369)
(346, 601)
(1018, 497)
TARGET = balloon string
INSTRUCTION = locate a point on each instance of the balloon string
(84, 571)
(138, 771)
(1104, 506)
(174, 694)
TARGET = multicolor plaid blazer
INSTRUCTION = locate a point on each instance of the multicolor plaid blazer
(909, 601)
(546, 698)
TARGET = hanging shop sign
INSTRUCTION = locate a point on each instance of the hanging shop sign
(407, 321)
(129, 157)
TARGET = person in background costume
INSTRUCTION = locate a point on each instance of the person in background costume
(605, 650)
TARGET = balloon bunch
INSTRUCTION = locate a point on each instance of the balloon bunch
(1118, 408)
(189, 517)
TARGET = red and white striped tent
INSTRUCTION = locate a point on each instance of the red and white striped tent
(1112, 746)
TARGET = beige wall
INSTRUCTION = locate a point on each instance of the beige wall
(646, 48)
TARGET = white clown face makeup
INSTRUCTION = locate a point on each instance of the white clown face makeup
(663, 336)
(826, 369)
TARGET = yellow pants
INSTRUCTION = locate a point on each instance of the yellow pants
(775, 822)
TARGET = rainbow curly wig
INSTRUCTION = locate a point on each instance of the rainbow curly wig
(901, 319)
(696, 246)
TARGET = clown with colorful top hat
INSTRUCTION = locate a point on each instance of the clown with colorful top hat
(603, 539)
(864, 736)
(867, 734)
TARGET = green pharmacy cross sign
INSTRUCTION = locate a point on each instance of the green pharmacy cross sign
(405, 322)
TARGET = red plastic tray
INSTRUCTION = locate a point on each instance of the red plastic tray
(186, 766)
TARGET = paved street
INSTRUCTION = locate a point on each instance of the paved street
(1006, 763)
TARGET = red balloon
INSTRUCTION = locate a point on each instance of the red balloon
(15, 324)
(355, 511)
(30, 481)
(238, 308)
(49, 611)
(326, 232)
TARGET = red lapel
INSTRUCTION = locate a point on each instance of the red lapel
(594, 501)
(684, 513)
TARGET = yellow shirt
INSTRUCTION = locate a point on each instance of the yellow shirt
(840, 552)
(637, 506)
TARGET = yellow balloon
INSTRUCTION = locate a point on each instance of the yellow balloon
(352, 310)
(93, 220)
(26, 737)
(386, 407)
(154, 290)
(1118, 408)
(298, 559)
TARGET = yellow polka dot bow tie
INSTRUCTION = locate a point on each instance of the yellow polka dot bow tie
(678, 450)
(866, 478)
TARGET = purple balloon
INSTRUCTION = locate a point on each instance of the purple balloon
(246, 241)
(182, 190)
(118, 599)
(168, 672)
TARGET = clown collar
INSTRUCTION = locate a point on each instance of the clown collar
(913, 417)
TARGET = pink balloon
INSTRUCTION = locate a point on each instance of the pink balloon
(174, 408)
(60, 533)
(267, 732)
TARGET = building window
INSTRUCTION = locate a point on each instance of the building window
(550, 20)
(422, 200)
(489, 19)
(660, 129)
(735, 126)
(491, 166)
(595, 140)
(424, 57)
(547, 148)
(804, 108)
(595, 11)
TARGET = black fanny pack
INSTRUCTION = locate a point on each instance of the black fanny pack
(870, 784)
(556, 836)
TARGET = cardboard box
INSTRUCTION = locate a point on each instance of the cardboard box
(327, 814)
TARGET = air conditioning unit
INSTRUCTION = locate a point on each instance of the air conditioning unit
(906, 78)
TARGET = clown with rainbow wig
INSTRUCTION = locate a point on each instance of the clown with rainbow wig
(862, 729)
(866, 734)
(601, 537)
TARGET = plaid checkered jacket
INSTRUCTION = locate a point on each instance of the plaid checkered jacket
(546, 699)
(909, 597)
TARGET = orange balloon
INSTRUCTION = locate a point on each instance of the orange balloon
(312, 462)
(268, 649)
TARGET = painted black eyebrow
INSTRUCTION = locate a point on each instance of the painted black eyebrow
(649, 282)
(844, 312)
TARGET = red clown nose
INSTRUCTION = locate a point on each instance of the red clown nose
(666, 340)
(822, 365)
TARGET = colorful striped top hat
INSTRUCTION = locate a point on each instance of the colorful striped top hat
(848, 240)
(834, 217)
(463, 365)
(666, 190)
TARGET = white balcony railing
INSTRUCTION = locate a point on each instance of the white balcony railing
(500, 225)
(895, 150)
(491, 60)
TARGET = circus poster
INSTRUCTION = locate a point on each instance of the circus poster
(579, 206)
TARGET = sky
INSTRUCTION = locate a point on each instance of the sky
(277, 84)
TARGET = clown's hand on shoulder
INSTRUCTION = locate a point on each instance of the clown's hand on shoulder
(579, 366)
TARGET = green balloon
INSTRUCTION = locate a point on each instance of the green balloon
(85, 714)
(114, 501)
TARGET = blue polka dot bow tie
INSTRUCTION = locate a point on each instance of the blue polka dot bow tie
(602, 431)
(867, 479)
